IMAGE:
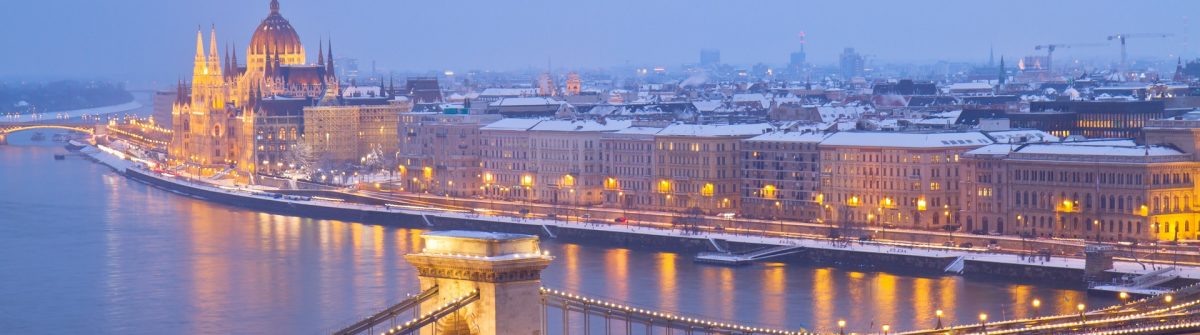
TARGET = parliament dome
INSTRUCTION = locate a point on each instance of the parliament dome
(276, 35)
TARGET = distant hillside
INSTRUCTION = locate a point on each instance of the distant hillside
(57, 96)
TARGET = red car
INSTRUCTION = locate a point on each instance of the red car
(620, 220)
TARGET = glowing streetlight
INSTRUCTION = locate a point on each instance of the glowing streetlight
(939, 318)
(886, 329)
(1081, 307)
(1037, 303)
(983, 322)
(1124, 296)
(842, 327)
(1168, 299)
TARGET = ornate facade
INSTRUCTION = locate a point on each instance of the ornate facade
(217, 120)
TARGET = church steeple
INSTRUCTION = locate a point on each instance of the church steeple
(1003, 74)
(320, 52)
(201, 63)
(329, 59)
(214, 65)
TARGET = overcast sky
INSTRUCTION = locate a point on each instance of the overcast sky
(154, 39)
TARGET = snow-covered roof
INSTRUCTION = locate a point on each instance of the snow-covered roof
(833, 113)
(512, 124)
(751, 98)
(1098, 150)
(907, 140)
(716, 130)
(526, 101)
(507, 92)
(639, 131)
(992, 149)
(362, 91)
(969, 86)
(792, 137)
(706, 106)
(581, 126)
(1021, 135)
(1120, 142)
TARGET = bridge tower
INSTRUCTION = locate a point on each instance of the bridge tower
(505, 270)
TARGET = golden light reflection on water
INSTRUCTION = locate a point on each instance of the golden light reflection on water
(947, 288)
(727, 292)
(571, 259)
(774, 292)
(922, 299)
(668, 291)
(1020, 299)
(823, 294)
(617, 263)
(885, 298)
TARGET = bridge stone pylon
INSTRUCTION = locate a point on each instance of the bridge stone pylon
(503, 269)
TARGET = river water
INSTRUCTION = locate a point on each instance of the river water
(83, 249)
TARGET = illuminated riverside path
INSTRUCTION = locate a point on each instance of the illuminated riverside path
(85, 250)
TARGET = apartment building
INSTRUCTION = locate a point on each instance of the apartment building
(441, 153)
(886, 179)
(1106, 190)
(781, 175)
(697, 166)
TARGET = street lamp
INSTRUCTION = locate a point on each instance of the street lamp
(886, 329)
(939, 319)
(841, 327)
(1124, 296)
(1036, 304)
(1168, 299)
(983, 322)
(1081, 307)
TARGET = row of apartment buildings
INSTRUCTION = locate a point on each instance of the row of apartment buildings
(1007, 181)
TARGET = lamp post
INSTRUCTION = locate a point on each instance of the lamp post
(886, 329)
(1168, 299)
(939, 319)
(841, 327)
(1081, 308)
(1124, 296)
(983, 322)
(1037, 303)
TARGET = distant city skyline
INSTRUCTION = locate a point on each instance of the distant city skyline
(152, 40)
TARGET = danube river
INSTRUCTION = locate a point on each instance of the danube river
(84, 250)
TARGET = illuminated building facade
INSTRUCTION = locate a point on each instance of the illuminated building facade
(1109, 190)
(628, 156)
(441, 154)
(215, 120)
(908, 180)
(697, 166)
(781, 175)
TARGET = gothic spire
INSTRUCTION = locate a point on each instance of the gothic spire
(214, 58)
(201, 62)
(320, 52)
(234, 62)
(329, 59)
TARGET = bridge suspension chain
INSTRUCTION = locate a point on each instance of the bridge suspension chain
(649, 315)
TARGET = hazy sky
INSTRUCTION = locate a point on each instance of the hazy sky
(154, 39)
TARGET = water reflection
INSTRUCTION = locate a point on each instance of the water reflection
(119, 257)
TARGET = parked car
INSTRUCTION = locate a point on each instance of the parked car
(966, 245)
(621, 220)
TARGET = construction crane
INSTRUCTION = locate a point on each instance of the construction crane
(1051, 47)
(1122, 37)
